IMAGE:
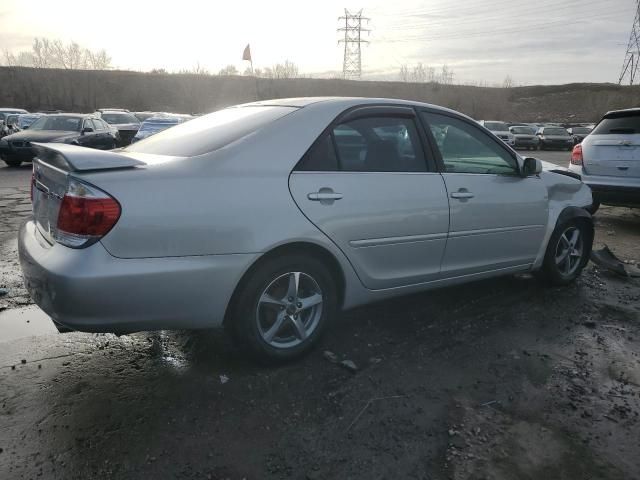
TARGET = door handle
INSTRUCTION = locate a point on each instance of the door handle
(461, 195)
(319, 196)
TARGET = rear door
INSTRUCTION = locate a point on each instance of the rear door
(368, 185)
(613, 148)
(498, 218)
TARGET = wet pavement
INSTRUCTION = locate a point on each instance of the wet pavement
(502, 379)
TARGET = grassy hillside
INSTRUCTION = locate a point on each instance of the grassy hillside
(83, 91)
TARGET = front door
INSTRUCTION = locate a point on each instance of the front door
(498, 218)
(366, 184)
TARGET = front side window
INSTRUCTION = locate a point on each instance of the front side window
(467, 149)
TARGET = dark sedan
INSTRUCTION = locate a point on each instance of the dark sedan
(579, 133)
(126, 123)
(555, 138)
(75, 129)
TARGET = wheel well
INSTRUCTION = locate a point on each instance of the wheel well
(305, 248)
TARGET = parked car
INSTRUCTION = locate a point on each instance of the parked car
(157, 124)
(8, 111)
(25, 120)
(126, 123)
(9, 125)
(525, 137)
(142, 116)
(555, 138)
(76, 129)
(268, 218)
(608, 159)
(500, 130)
(579, 133)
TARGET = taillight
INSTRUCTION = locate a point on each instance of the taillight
(576, 155)
(86, 214)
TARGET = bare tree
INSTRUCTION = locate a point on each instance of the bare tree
(229, 70)
(288, 69)
(446, 75)
(419, 73)
(404, 73)
(507, 82)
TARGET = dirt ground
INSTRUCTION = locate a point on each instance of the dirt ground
(501, 379)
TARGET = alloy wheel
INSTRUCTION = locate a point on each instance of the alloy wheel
(289, 310)
(569, 251)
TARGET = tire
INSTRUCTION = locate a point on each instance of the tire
(594, 207)
(13, 163)
(558, 272)
(253, 322)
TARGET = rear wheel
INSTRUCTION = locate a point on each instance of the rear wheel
(567, 252)
(281, 310)
(13, 163)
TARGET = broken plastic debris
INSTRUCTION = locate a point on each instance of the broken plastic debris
(606, 259)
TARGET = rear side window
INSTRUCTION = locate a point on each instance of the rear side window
(210, 132)
(372, 144)
(618, 125)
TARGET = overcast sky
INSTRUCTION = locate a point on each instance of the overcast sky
(533, 41)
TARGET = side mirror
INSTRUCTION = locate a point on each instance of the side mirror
(531, 166)
(87, 130)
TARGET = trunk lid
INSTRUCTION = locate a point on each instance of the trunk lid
(613, 155)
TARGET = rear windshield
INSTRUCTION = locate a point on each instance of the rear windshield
(116, 118)
(619, 125)
(523, 130)
(496, 126)
(556, 131)
(51, 122)
(210, 132)
(581, 130)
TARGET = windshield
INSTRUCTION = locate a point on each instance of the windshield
(523, 130)
(116, 118)
(556, 131)
(71, 124)
(497, 126)
(210, 132)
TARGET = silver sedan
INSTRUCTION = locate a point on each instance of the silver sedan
(270, 217)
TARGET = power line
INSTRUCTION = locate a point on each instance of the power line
(632, 57)
(352, 62)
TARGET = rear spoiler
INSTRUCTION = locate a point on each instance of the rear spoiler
(73, 158)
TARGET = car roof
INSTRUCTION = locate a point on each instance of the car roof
(82, 115)
(348, 102)
(623, 112)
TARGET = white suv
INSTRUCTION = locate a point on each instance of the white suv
(608, 159)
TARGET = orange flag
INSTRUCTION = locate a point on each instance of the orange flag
(246, 55)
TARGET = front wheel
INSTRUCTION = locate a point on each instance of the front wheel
(13, 163)
(281, 310)
(567, 252)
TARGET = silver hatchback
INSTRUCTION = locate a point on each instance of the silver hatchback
(269, 217)
(608, 159)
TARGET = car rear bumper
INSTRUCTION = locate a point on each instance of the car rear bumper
(616, 195)
(90, 290)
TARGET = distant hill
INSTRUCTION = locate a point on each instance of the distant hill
(84, 91)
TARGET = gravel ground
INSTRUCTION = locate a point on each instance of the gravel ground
(501, 379)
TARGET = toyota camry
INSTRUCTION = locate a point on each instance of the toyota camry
(269, 218)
